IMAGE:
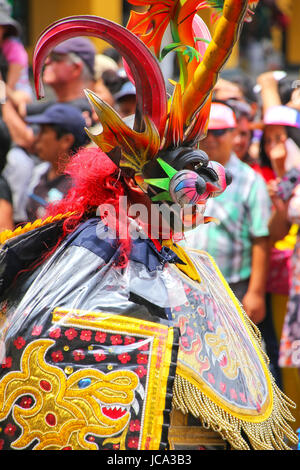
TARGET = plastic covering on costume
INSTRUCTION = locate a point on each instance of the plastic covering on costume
(97, 355)
(83, 339)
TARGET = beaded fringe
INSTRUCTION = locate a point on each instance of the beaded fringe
(272, 434)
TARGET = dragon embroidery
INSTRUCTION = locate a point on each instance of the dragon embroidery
(65, 409)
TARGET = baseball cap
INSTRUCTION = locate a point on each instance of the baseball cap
(283, 116)
(128, 89)
(66, 116)
(221, 117)
(80, 46)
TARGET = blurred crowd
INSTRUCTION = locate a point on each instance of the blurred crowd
(254, 130)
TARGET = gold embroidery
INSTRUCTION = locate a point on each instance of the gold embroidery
(161, 337)
(68, 406)
(63, 413)
(8, 234)
(268, 427)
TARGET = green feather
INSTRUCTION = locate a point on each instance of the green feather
(169, 170)
(164, 196)
(162, 183)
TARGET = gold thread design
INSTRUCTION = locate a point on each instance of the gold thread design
(268, 430)
(64, 413)
(8, 234)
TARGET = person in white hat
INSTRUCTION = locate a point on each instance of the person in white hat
(239, 244)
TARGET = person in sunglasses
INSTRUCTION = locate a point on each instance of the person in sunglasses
(239, 244)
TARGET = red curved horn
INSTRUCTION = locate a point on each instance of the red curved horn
(149, 81)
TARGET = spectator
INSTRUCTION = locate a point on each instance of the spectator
(277, 153)
(103, 64)
(279, 150)
(61, 133)
(226, 90)
(68, 70)
(285, 214)
(126, 99)
(20, 163)
(239, 244)
(6, 207)
(244, 130)
(14, 59)
(274, 92)
(237, 87)
(112, 53)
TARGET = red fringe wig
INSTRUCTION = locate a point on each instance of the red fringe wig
(95, 181)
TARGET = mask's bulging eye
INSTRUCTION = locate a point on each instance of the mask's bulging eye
(224, 179)
(187, 187)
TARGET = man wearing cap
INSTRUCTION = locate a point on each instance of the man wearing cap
(61, 133)
(239, 244)
(69, 69)
(126, 99)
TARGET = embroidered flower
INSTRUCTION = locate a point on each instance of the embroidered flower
(223, 387)
(189, 331)
(143, 345)
(187, 289)
(37, 329)
(55, 333)
(116, 339)
(142, 358)
(10, 429)
(233, 394)
(141, 371)
(7, 362)
(133, 443)
(185, 342)
(135, 425)
(242, 397)
(211, 378)
(129, 340)
(86, 335)
(78, 355)
(57, 356)
(100, 337)
(210, 325)
(71, 333)
(1, 444)
(201, 311)
(26, 402)
(19, 342)
(124, 358)
(99, 355)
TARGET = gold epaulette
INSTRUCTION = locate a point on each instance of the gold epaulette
(8, 234)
